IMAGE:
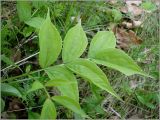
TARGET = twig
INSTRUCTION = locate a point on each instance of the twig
(25, 109)
(20, 61)
(115, 112)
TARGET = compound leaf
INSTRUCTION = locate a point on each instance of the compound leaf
(75, 43)
(89, 70)
(48, 110)
(50, 43)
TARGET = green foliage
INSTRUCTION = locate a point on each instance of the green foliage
(24, 10)
(102, 51)
(33, 115)
(101, 41)
(90, 71)
(147, 98)
(119, 60)
(35, 22)
(75, 43)
(70, 104)
(50, 43)
(92, 106)
(148, 5)
(2, 104)
(8, 61)
(9, 90)
(117, 15)
(36, 86)
(48, 110)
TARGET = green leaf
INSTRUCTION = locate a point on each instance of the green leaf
(89, 70)
(119, 60)
(101, 41)
(9, 90)
(35, 22)
(50, 43)
(75, 43)
(27, 31)
(2, 104)
(48, 110)
(39, 4)
(58, 82)
(24, 10)
(36, 86)
(149, 6)
(33, 115)
(70, 85)
(117, 15)
(147, 98)
(70, 104)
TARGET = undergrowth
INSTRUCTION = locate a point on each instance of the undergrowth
(18, 41)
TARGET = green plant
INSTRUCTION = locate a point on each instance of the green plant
(102, 51)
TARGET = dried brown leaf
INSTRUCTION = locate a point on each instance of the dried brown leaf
(125, 39)
(133, 2)
(134, 10)
(135, 39)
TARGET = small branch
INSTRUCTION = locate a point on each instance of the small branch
(115, 112)
(24, 109)
(20, 61)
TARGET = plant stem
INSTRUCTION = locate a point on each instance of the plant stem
(25, 74)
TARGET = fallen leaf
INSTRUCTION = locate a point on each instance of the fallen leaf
(112, 1)
(133, 2)
(133, 84)
(123, 40)
(134, 117)
(134, 10)
(135, 39)
(136, 23)
(128, 25)
(124, 9)
(126, 38)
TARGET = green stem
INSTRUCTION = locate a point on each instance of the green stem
(19, 76)
(47, 93)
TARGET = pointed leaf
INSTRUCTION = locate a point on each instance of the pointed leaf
(50, 43)
(70, 104)
(119, 60)
(60, 72)
(35, 22)
(89, 70)
(24, 10)
(75, 43)
(9, 90)
(36, 86)
(48, 110)
(101, 41)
